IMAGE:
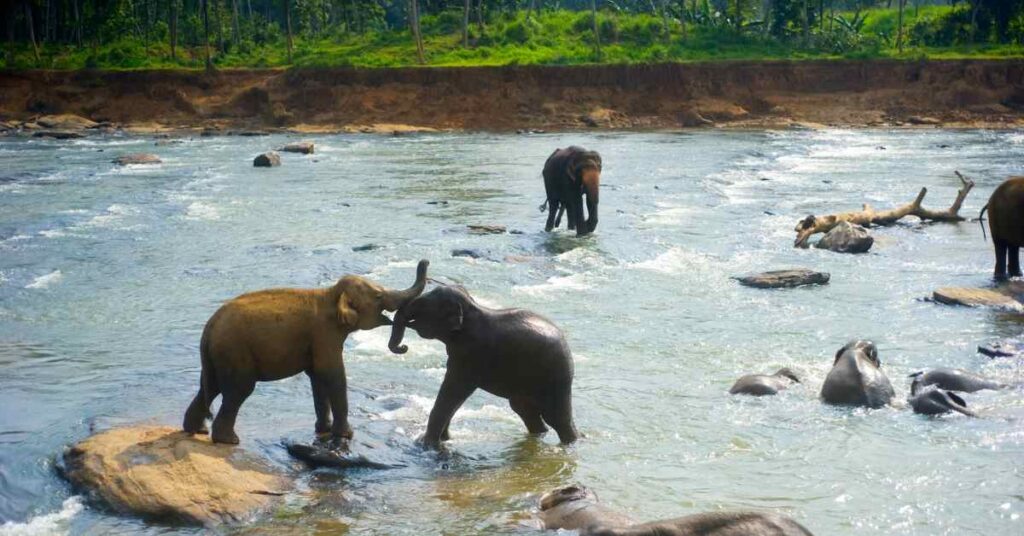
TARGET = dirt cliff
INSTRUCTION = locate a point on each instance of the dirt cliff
(854, 93)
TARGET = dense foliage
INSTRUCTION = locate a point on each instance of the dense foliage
(129, 34)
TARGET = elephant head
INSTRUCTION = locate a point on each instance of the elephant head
(361, 302)
(856, 377)
(438, 314)
(585, 169)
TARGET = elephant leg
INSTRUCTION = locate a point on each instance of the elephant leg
(445, 435)
(558, 218)
(1013, 252)
(322, 405)
(582, 227)
(1001, 252)
(453, 393)
(557, 412)
(553, 212)
(234, 395)
(572, 208)
(199, 410)
(529, 412)
(337, 392)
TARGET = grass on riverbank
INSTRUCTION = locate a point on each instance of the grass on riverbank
(552, 38)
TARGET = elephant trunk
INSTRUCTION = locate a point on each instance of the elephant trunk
(395, 299)
(398, 332)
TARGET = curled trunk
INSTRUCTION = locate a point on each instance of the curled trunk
(394, 299)
(398, 332)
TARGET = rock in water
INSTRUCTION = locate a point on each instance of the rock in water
(270, 159)
(785, 279)
(137, 158)
(302, 147)
(317, 455)
(471, 253)
(162, 472)
(487, 229)
(847, 238)
(58, 134)
(999, 297)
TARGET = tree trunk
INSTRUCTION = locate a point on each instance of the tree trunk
(31, 29)
(480, 16)
(465, 25)
(288, 23)
(974, 19)
(414, 23)
(597, 35)
(235, 30)
(173, 27)
(220, 26)
(899, 26)
(812, 225)
(682, 19)
(206, 33)
(78, 22)
(739, 14)
(805, 21)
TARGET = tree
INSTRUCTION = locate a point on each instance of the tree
(206, 33)
(414, 23)
(465, 25)
(288, 23)
(172, 25)
(899, 26)
(597, 35)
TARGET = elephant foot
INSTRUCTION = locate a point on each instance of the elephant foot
(323, 428)
(227, 437)
(343, 431)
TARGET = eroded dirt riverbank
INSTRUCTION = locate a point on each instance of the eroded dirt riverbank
(739, 94)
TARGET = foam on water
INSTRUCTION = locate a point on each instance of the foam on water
(198, 210)
(555, 285)
(46, 281)
(52, 524)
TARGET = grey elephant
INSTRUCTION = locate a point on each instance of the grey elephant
(856, 378)
(764, 384)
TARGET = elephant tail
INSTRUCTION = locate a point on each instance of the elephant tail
(543, 206)
(981, 221)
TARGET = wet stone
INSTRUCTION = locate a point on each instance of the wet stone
(137, 158)
(270, 159)
(847, 238)
(785, 279)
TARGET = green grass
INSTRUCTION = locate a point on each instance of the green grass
(553, 38)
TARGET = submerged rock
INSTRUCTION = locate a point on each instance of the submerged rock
(324, 455)
(269, 159)
(785, 278)
(137, 158)
(1002, 297)
(471, 253)
(1003, 348)
(367, 247)
(487, 229)
(58, 134)
(161, 472)
(301, 147)
(847, 238)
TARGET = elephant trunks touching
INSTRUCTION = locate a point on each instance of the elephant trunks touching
(398, 332)
(395, 299)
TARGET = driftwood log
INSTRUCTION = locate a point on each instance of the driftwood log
(812, 225)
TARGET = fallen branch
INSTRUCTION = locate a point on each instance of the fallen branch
(812, 225)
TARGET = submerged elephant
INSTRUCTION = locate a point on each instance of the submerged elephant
(569, 174)
(1006, 221)
(934, 401)
(764, 384)
(953, 380)
(274, 334)
(577, 508)
(856, 378)
(511, 353)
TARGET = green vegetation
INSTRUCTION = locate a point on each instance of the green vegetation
(148, 34)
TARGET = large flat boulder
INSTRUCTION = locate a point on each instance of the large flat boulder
(1006, 296)
(137, 159)
(66, 122)
(785, 278)
(301, 147)
(164, 473)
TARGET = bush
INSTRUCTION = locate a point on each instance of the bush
(948, 29)
(517, 32)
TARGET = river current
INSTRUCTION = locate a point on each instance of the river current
(108, 274)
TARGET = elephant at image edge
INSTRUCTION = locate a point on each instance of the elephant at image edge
(275, 334)
(511, 353)
(569, 174)
(1006, 221)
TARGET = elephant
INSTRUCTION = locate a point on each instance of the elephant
(934, 401)
(1006, 221)
(275, 334)
(569, 174)
(764, 384)
(953, 380)
(511, 353)
(856, 378)
(577, 508)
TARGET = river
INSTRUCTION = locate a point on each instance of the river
(108, 274)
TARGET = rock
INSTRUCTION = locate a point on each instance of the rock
(487, 229)
(923, 120)
(251, 133)
(1003, 297)
(846, 238)
(440, 202)
(471, 253)
(785, 279)
(161, 472)
(602, 117)
(269, 159)
(302, 147)
(66, 122)
(718, 110)
(692, 118)
(58, 134)
(368, 247)
(1003, 348)
(324, 455)
(137, 158)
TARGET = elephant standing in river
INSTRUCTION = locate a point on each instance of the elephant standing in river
(274, 334)
(569, 174)
(511, 353)
(1006, 221)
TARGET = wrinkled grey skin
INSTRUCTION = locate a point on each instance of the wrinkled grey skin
(576, 508)
(954, 380)
(764, 384)
(933, 401)
(856, 378)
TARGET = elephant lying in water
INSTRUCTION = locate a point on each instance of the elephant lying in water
(764, 384)
(856, 378)
(954, 380)
(275, 334)
(511, 353)
(576, 508)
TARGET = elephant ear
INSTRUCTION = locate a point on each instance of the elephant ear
(455, 318)
(347, 315)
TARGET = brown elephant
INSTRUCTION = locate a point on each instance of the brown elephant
(1006, 221)
(274, 334)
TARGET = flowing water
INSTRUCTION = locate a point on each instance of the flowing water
(108, 274)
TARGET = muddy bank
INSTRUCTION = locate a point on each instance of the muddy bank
(849, 93)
